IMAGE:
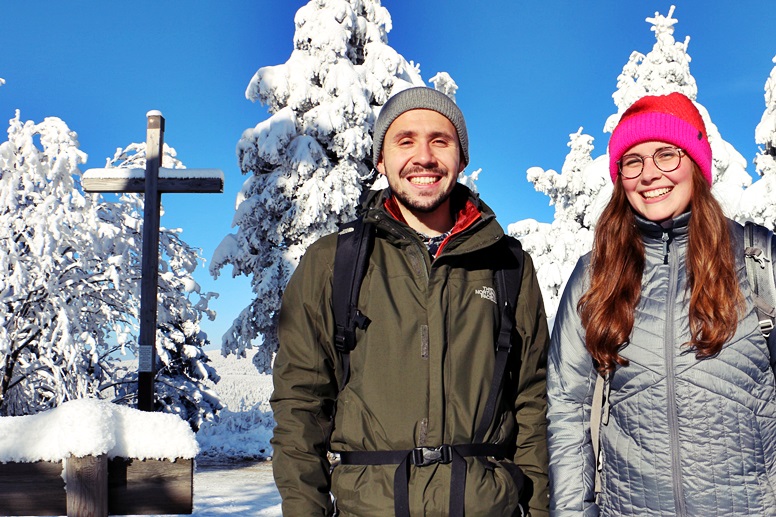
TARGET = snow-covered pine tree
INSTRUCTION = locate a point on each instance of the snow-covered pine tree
(180, 383)
(69, 290)
(583, 188)
(310, 160)
(58, 302)
(665, 69)
(578, 193)
(757, 202)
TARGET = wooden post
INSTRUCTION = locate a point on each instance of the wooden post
(87, 486)
(150, 273)
(152, 186)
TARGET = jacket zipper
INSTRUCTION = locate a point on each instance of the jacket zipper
(418, 260)
(668, 343)
(398, 230)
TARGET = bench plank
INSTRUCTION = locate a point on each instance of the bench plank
(32, 489)
(149, 487)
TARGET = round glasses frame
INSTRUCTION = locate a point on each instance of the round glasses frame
(642, 159)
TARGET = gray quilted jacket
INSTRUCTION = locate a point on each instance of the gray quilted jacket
(685, 437)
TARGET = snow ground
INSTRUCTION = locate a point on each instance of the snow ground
(235, 489)
(233, 475)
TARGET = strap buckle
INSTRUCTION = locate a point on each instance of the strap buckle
(757, 255)
(766, 326)
(425, 456)
(344, 339)
(345, 335)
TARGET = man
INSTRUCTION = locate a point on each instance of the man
(421, 372)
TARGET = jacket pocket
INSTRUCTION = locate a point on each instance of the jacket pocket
(516, 473)
(493, 488)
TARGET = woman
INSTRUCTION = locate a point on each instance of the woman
(662, 308)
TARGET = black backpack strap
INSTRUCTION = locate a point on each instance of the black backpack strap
(354, 244)
(761, 273)
(508, 281)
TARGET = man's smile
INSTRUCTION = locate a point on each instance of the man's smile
(424, 180)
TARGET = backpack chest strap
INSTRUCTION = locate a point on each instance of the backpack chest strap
(424, 457)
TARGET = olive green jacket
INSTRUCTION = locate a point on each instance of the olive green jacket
(420, 375)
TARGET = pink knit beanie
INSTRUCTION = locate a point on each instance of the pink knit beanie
(671, 118)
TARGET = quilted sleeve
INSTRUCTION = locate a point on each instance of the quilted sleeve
(570, 383)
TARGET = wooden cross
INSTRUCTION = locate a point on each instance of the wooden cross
(152, 182)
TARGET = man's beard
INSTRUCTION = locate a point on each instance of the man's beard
(421, 204)
(415, 206)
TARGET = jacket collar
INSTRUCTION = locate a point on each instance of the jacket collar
(470, 211)
(676, 227)
(466, 212)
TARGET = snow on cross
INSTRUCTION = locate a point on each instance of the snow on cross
(152, 182)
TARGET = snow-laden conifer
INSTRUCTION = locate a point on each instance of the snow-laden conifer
(758, 203)
(578, 194)
(309, 161)
(69, 285)
(58, 301)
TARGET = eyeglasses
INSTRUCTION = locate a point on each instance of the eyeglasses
(667, 159)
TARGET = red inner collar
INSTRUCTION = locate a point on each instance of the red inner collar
(464, 219)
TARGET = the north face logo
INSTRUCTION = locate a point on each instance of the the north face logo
(488, 293)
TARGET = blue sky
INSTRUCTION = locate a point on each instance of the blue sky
(529, 74)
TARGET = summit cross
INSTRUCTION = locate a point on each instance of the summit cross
(152, 183)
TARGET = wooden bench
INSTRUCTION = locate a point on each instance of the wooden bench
(97, 486)
(91, 458)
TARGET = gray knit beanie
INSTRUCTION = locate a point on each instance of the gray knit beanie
(419, 98)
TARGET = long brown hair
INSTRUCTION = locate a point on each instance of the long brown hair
(617, 264)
